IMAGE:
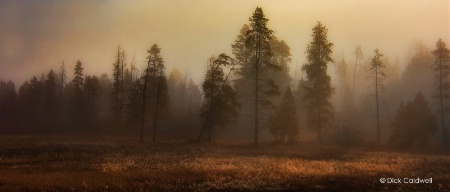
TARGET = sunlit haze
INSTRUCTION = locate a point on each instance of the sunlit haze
(36, 36)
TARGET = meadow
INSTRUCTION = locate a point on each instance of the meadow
(63, 163)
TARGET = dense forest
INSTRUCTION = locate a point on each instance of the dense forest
(365, 99)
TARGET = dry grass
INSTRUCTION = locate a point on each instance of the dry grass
(118, 164)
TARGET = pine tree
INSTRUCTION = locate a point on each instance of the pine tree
(50, 99)
(442, 69)
(257, 40)
(219, 107)
(154, 91)
(285, 121)
(78, 100)
(116, 94)
(78, 81)
(414, 123)
(378, 75)
(318, 87)
(50, 91)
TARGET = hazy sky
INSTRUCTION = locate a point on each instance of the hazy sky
(36, 36)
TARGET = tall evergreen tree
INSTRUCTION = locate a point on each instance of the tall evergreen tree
(154, 90)
(378, 75)
(50, 91)
(219, 107)
(78, 81)
(50, 99)
(442, 69)
(257, 40)
(78, 101)
(318, 87)
(117, 86)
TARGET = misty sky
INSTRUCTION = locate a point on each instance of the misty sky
(36, 36)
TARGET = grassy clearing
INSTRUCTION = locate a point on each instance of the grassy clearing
(116, 164)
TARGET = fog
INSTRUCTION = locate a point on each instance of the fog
(36, 36)
(199, 95)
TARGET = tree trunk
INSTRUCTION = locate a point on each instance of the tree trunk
(257, 52)
(155, 117)
(144, 99)
(377, 106)
(441, 97)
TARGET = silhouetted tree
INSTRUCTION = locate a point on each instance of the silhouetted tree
(358, 57)
(61, 83)
(92, 90)
(154, 90)
(50, 95)
(135, 105)
(442, 69)
(285, 121)
(158, 87)
(413, 122)
(9, 108)
(219, 106)
(318, 88)
(378, 75)
(257, 40)
(78, 102)
(78, 81)
(104, 99)
(242, 81)
(117, 86)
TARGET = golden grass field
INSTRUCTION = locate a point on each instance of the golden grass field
(57, 163)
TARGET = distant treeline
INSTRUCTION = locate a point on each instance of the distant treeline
(368, 98)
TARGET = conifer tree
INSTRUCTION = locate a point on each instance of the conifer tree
(442, 69)
(378, 75)
(318, 87)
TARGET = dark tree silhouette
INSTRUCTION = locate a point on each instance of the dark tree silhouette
(92, 91)
(318, 87)
(257, 40)
(285, 121)
(62, 82)
(414, 123)
(442, 69)
(378, 75)
(78, 100)
(117, 86)
(8, 106)
(50, 94)
(154, 89)
(219, 106)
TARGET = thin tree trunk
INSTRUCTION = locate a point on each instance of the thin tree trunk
(377, 105)
(441, 97)
(354, 76)
(144, 99)
(121, 90)
(257, 52)
(155, 117)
